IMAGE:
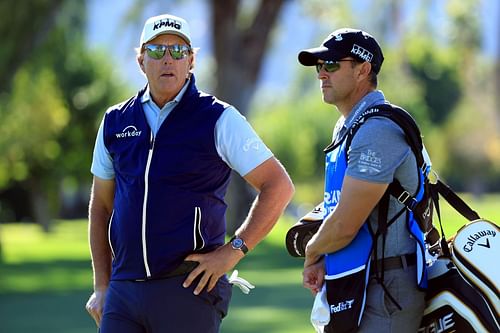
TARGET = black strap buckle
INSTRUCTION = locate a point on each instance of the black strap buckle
(407, 199)
(403, 197)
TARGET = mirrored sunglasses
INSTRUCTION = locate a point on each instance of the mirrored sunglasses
(177, 51)
(331, 66)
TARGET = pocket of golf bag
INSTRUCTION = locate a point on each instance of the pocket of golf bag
(453, 305)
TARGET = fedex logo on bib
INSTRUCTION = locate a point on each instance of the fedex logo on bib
(341, 306)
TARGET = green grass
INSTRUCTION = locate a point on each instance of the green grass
(45, 279)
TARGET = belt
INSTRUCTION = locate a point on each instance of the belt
(394, 262)
(184, 268)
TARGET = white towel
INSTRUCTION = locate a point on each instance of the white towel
(320, 313)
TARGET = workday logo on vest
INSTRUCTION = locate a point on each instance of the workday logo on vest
(128, 132)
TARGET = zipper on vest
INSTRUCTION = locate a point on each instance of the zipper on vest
(144, 205)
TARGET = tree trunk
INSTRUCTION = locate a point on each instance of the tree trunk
(239, 53)
(40, 204)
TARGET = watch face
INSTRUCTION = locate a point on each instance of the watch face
(237, 243)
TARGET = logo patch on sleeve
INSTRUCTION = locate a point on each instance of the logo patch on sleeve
(369, 162)
(251, 143)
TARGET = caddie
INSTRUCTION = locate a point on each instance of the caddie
(372, 283)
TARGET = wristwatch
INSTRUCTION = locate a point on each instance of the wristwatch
(238, 244)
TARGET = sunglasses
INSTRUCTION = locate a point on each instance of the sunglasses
(177, 52)
(331, 66)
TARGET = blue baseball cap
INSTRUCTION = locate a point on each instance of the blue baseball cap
(342, 43)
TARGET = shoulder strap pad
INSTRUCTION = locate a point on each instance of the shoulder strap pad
(403, 119)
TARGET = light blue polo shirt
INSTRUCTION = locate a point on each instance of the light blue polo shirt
(236, 141)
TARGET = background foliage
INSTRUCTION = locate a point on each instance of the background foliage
(49, 113)
(56, 89)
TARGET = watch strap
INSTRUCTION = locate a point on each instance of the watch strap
(243, 247)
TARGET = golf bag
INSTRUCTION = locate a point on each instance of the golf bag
(475, 251)
(462, 294)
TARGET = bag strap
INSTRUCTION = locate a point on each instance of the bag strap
(403, 196)
(434, 193)
(455, 201)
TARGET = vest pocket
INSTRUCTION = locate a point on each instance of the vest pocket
(198, 241)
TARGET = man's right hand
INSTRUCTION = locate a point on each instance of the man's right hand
(313, 276)
(95, 305)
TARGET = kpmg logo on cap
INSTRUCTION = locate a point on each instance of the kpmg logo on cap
(168, 23)
(362, 53)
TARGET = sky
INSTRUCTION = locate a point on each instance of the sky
(105, 30)
(103, 27)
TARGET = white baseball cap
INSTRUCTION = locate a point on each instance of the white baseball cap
(165, 24)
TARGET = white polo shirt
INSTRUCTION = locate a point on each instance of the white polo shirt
(236, 141)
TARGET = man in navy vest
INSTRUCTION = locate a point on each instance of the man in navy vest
(161, 166)
(356, 177)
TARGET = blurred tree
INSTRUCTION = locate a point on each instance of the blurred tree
(333, 14)
(431, 63)
(49, 114)
(473, 128)
(25, 25)
(241, 38)
(435, 69)
(33, 116)
(22, 32)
